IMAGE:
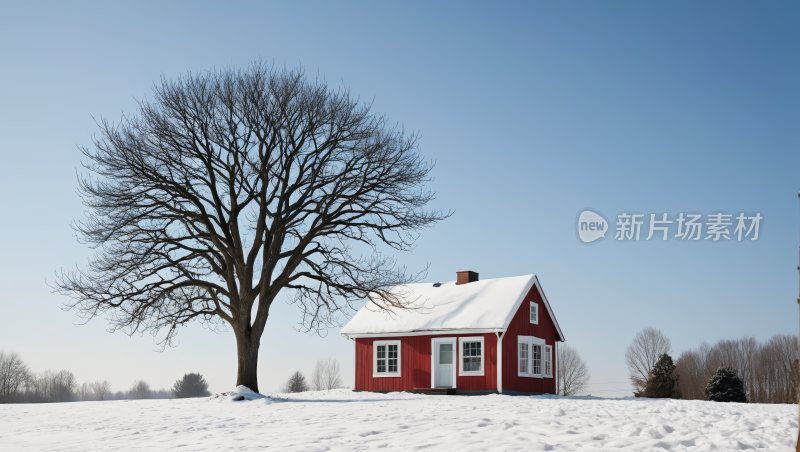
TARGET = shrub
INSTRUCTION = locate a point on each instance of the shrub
(725, 386)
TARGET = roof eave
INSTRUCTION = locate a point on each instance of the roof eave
(436, 332)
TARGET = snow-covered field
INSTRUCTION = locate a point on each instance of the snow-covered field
(343, 420)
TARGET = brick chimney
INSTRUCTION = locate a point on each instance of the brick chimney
(466, 276)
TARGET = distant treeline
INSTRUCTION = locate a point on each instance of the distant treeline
(20, 385)
(764, 368)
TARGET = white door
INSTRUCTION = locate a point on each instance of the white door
(445, 359)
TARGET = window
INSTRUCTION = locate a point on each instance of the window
(534, 313)
(548, 361)
(537, 359)
(523, 358)
(529, 352)
(386, 358)
(471, 355)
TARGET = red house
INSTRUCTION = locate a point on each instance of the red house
(468, 336)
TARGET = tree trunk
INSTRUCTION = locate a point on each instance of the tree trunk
(247, 357)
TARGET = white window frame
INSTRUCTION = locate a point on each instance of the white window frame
(548, 361)
(535, 361)
(530, 341)
(461, 356)
(533, 315)
(523, 372)
(375, 372)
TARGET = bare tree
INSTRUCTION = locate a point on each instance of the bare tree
(690, 367)
(572, 374)
(162, 393)
(140, 389)
(50, 386)
(334, 376)
(295, 383)
(101, 389)
(327, 375)
(233, 185)
(641, 356)
(795, 389)
(765, 368)
(35, 389)
(84, 391)
(13, 375)
(785, 351)
(64, 386)
(317, 377)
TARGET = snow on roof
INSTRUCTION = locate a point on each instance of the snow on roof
(481, 305)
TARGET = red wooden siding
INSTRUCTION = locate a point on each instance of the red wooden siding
(521, 326)
(489, 378)
(415, 364)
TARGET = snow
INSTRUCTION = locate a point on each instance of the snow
(241, 393)
(342, 420)
(488, 304)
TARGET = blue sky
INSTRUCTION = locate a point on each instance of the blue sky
(533, 112)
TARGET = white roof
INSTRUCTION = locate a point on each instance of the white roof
(481, 305)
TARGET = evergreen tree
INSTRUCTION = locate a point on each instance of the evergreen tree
(191, 385)
(725, 386)
(663, 380)
(296, 383)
